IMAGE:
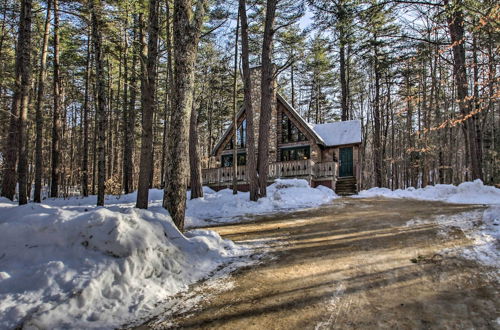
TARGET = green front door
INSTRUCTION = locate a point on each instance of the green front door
(346, 162)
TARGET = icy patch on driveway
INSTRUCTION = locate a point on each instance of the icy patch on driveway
(481, 227)
(483, 230)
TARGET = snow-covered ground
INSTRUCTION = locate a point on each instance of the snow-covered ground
(223, 206)
(66, 263)
(465, 193)
(481, 227)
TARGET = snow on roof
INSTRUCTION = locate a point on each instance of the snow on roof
(339, 133)
(329, 134)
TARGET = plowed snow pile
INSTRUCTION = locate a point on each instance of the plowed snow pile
(84, 267)
(465, 193)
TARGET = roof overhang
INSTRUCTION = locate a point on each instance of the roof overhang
(227, 132)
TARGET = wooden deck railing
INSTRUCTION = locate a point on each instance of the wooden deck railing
(325, 170)
(289, 169)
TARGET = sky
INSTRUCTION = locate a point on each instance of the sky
(306, 20)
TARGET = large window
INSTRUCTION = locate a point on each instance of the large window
(290, 132)
(298, 153)
(241, 136)
(227, 160)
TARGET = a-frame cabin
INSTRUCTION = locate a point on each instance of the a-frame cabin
(324, 154)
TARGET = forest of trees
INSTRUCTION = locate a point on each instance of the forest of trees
(109, 97)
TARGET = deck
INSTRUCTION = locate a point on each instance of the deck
(304, 169)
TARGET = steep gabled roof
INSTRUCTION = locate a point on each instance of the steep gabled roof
(339, 133)
(328, 135)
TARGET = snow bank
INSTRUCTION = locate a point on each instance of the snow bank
(5, 202)
(65, 264)
(284, 194)
(465, 193)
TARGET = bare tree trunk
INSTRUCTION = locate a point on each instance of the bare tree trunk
(316, 102)
(109, 119)
(148, 99)
(478, 143)
(95, 10)
(343, 42)
(194, 156)
(393, 162)
(292, 81)
(267, 93)
(491, 173)
(72, 139)
(115, 122)
(3, 36)
(94, 137)
(409, 132)
(170, 88)
(85, 156)
(187, 29)
(25, 48)
(42, 76)
(166, 120)
(130, 113)
(457, 35)
(343, 82)
(9, 176)
(348, 82)
(423, 137)
(62, 163)
(235, 111)
(164, 135)
(56, 116)
(377, 152)
(11, 148)
(251, 166)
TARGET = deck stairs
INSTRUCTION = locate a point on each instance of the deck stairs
(346, 186)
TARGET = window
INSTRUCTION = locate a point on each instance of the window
(227, 160)
(229, 145)
(241, 136)
(290, 132)
(298, 153)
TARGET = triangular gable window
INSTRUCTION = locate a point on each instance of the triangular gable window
(290, 132)
(241, 137)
